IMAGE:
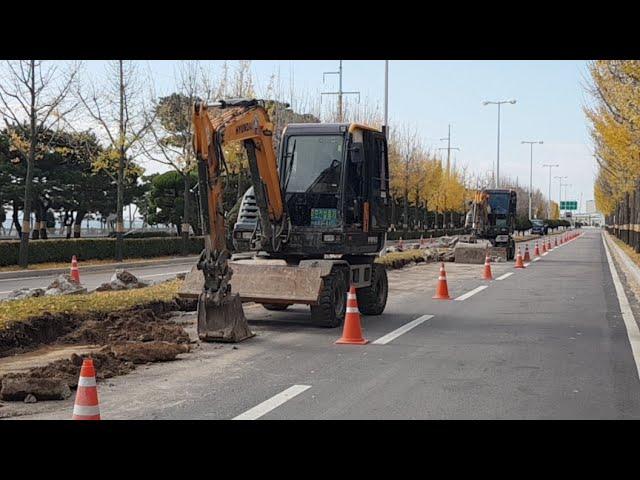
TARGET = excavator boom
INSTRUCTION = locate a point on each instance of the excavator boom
(220, 314)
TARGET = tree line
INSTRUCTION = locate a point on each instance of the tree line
(75, 144)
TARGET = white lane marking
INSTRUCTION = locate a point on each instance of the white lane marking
(536, 259)
(545, 253)
(506, 275)
(272, 403)
(527, 264)
(472, 292)
(161, 274)
(8, 291)
(629, 320)
(403, 329)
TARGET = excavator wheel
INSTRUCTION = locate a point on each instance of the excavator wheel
(277, 307)
(372, 300)
(332, 302)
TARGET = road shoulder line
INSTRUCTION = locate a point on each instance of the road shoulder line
(506, 275)
(272, 403)
(399, 331)
(633, 333)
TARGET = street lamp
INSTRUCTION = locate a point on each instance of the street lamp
(550, 166)
(499, 103)
(540, 142)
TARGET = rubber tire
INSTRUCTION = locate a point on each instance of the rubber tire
(334, 286)
(511, 251)
(276, 307)
(370, 300)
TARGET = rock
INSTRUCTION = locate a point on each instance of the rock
(181, 276)
(25, 293)
(17, 389)
(122, 280)
(30, 398)
(138, 353)
(63, 285)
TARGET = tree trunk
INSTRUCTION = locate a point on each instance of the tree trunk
(35, 234)
(44, 235)
(77, 223)
(185, 216)
(120, 188)
(23, 256)
(405, 210)
(14, 216)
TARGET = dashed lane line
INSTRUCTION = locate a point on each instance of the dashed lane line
(627, 314)
(506, 275)
(537, 259)
(272, 403)
(471, 293)
(403, 329)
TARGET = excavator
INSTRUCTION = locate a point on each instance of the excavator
(491, 223)
(320, 219)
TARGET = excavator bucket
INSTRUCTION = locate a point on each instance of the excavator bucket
(224, 322)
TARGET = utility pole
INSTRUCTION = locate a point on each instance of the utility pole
(448, 148)
(385, 127)
(550, 166)
(531, 173)
(340, 93)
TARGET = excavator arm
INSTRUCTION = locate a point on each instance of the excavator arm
(243, 121)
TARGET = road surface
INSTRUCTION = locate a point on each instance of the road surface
(546, 342)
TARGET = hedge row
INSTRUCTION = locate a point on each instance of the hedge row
(54, 250)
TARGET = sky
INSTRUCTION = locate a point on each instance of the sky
(430, 95)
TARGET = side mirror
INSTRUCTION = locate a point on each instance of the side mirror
(356, 153)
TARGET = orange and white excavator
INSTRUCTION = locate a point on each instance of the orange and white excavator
(321, 219)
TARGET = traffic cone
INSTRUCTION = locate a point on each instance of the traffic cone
(75, 273)
(544, 247)
(519, 263)
(87, 406)
(442, 291)
(487, 269)
(556, 244)
(536, 252)
(527, 257)
(548, 244)
(352, 333)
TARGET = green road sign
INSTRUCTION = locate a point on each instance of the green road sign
(569, 205)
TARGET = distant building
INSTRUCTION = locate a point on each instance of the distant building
(591, 206)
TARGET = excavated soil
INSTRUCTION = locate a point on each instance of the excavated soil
(141, 335)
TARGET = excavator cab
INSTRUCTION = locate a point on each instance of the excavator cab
(335, 186)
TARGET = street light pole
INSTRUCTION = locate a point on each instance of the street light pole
(499, 103)
(550, 166)
(560, 190)
(386, 99)
(531, 173)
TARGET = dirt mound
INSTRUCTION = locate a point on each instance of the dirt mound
(136, 352)
(48, 328)
(137, 325)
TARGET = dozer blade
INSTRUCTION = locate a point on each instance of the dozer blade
(222, 323)
(474, 253)
(499, 252)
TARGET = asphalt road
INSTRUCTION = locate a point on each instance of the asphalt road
(91, 280)
(546, 342)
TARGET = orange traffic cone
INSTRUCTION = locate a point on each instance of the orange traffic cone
(556, 244)
(527, 257)
(519, 263)
(87, 406)
(442, 291)
(544, 247)
(352, 333)
(75, 273)
(487, 269)
(536, 252)
(548, 244)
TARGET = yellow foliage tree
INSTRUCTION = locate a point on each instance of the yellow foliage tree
(555, 211)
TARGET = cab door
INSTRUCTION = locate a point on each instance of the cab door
(376, 190)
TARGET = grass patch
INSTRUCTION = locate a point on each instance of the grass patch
(18, 310)
(407, 256)
(635, 257)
